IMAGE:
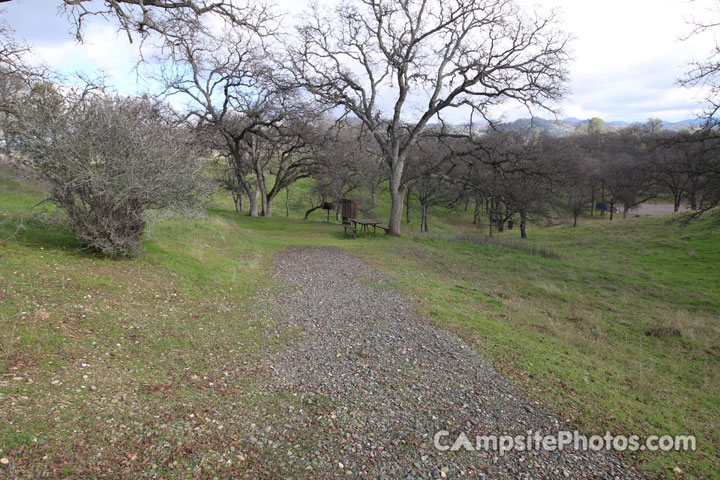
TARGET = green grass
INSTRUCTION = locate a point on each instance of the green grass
(621, 334)
(618, 329)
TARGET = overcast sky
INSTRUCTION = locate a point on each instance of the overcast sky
(627, 53)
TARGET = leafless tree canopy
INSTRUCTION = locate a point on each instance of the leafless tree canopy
(16, 72)
(144, 16)
(423, 57)
(254, 118)
(346, 163)
(428, 176)
(706, 72)
(17, 77)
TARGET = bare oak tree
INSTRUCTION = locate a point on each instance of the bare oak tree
(576, 171)
(422, 58)
(218, 70)
(625, 171)
(428, 172)
(283, 148)
(704, 172)
(341, 159)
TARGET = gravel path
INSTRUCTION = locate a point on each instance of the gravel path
(391, 381)
(655, 209)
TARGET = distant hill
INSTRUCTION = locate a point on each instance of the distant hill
(565, 126)
(570, 125)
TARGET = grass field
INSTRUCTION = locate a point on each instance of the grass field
(615, 326)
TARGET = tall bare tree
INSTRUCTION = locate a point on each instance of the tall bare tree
(672, 156)
(429, 171)
(704, 172)
(341, 159)
(576, 172)
(282, 148)
(625, 171)
(219, 70)
(396, 65)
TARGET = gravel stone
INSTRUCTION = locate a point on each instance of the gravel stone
(393, 380)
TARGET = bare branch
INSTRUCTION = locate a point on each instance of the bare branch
(449, 53)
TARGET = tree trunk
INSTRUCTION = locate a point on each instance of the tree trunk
(254, 212)
(373, 196)
(491, 207)
(575, 216)
(423, 220)
(397, 196)
(269, 203)
(251, 193)
(236, 199)
(307, 213)
(287, 202)
(592, 202)
(523, 223)
(264, 203)
(407, 206)
(262, 187)
(612, 211)
(476, 213)
(678, 199)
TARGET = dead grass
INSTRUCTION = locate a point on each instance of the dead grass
(514, 244)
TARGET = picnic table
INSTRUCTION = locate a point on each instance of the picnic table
(364, 226)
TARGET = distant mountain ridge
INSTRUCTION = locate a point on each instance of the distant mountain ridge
(570, 125)
(565, 126)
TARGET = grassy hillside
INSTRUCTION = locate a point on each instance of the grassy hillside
(613, 325)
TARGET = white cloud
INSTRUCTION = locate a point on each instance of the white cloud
(629, 56)
(104, 50)
(628, 53)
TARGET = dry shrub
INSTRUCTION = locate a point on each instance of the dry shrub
(109, 160)
(700, 329)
